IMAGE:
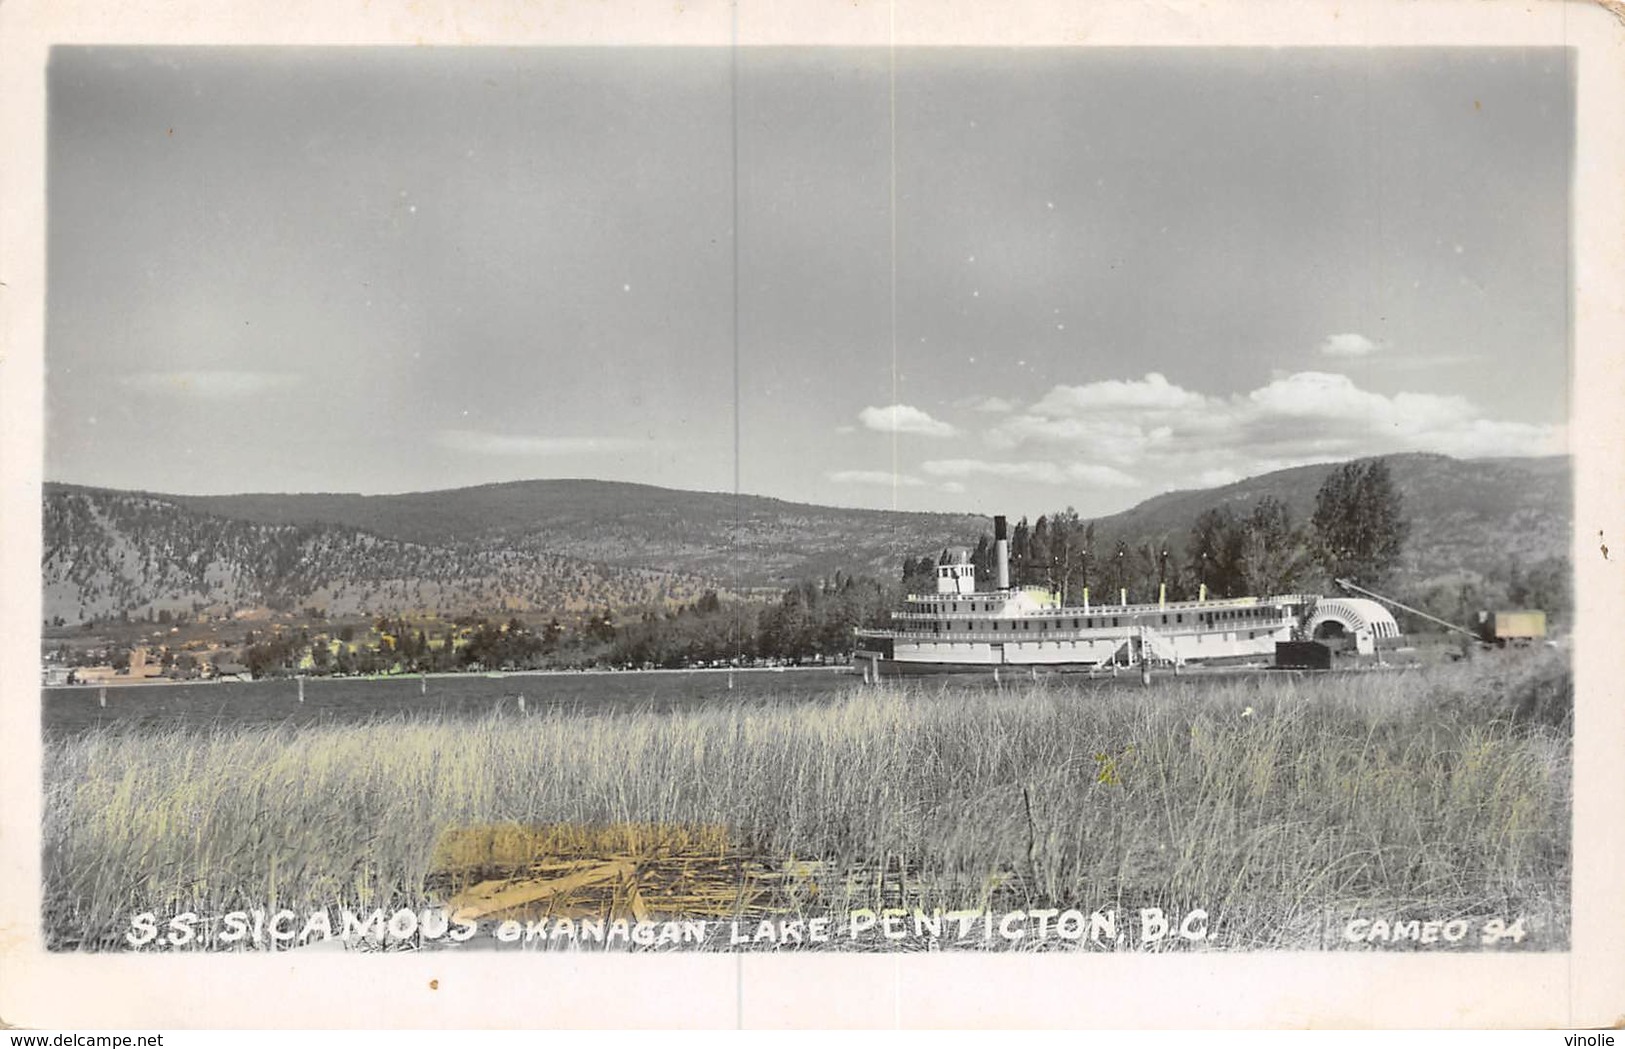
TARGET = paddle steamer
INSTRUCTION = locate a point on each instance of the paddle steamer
(960, 627)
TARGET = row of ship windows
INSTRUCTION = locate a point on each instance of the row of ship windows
(1252, 635)
(1089, 623)
(1179, 617)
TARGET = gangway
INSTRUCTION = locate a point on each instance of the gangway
(1347, 585)
(1155, 645)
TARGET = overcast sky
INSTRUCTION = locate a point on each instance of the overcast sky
(994, 281)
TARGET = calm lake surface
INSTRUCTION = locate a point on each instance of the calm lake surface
(201, 705)
(337, 701)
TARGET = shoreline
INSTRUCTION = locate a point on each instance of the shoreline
(444, 674)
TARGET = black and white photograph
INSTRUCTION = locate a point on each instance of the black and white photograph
(545, 503)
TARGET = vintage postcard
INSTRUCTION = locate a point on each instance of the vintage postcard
(943, 505)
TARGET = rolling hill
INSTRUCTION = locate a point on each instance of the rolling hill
(536, 545)
(1467, 515)
(741, 541)
(107, 552)
(563, 545)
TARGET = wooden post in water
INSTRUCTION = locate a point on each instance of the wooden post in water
(301, 689)
(521, 702)
(423, 684)
(103, 696)
(730, 679)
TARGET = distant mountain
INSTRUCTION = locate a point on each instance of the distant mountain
(740, 540)
(1467, 515)
(107, 552)
(576, 544)
(535, 545)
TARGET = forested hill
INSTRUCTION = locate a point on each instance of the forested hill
(109, 552)
(1467, 515)
(555, 546)
(567, 545)
(743, 540)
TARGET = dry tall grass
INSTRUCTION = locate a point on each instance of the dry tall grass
(1278, 804)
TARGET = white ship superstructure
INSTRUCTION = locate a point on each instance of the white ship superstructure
(960, 627)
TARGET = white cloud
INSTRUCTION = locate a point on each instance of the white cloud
(1322, 395)
(1170, 436)
(901, 418)
(952, 487)
(1152, 392)
(1483, 438)
(1037, 471)
(222, 383)
(991, 405)
(1348, 344)
(480, 442)
(876, 477)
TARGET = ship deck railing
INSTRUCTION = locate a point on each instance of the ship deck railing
(1033, 637)
(1267, 611)
(1069, 611)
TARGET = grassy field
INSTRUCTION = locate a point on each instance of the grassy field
(1280, 805)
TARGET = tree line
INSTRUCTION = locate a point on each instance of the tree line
(813, 621)
(1357, 531)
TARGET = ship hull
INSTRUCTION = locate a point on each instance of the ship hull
(888, 668)
(1061, 639)
(1096, 651)
(960, 629)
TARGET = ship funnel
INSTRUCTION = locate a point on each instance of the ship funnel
(1001, 554)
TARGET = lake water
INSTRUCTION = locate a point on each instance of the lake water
(199, 705)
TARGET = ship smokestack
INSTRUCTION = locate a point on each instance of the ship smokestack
(1001, 554)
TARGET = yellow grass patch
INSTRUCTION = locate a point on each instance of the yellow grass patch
(631, 871)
